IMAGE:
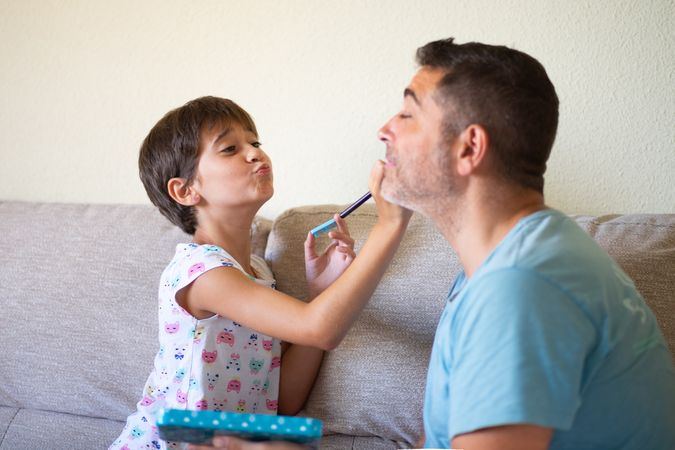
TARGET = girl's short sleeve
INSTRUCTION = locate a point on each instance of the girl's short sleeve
(196, 260)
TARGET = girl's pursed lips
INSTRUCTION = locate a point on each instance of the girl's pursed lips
(263, 170)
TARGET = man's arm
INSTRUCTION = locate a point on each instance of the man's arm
(508, 437)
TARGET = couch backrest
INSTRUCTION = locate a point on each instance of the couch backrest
(79, 312)
(373, 383)
(78, 303)
(644, 246)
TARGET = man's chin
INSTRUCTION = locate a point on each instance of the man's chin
(387, 192)
(389, 198)
(396, 198)
(390, 195)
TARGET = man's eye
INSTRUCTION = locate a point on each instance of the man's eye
(256, 144)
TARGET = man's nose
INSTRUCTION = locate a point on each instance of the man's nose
(384, 133)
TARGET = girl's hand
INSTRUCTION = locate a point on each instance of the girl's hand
(231, 443)
(322, 270)
(388, 213)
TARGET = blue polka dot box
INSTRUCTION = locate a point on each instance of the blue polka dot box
(201, 426)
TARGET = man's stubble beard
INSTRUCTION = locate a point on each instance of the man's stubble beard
(396, 194)
(423, 194)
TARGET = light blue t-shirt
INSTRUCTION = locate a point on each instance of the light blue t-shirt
(550, 331)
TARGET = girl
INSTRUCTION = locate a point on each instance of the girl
(221, 322)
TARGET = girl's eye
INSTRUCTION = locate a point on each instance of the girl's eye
(230, 149)
(256, 144)
(404, 116)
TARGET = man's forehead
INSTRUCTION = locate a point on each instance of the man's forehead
(423, 83)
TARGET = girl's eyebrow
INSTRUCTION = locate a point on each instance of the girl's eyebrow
(221, 135)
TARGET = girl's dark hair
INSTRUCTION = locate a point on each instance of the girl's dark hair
(508, 93)
(171, 150)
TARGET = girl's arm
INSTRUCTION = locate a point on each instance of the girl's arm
(300, 364)
(233, 443)
(324, 321)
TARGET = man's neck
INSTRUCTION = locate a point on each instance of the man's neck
(477, 223)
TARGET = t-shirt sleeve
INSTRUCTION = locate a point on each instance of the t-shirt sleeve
(519, 345)
(199, 260)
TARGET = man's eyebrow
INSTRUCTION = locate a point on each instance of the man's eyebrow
(410, 93)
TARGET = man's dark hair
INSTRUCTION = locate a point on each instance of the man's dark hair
(505, 91)
(171, 150)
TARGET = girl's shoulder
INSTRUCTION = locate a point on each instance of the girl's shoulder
(191, 260)
(192, 252)
(196, 258)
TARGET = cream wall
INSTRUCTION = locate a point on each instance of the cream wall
(82, 81)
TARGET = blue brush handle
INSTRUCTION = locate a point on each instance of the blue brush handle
(330, 224)
(323, 228)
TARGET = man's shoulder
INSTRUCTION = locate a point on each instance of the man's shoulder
(551, 246)
(512, 287)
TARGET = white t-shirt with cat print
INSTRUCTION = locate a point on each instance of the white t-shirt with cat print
(209, 364)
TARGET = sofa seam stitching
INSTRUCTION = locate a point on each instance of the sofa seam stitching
(604, 224)
(292, 213)
(2, 440)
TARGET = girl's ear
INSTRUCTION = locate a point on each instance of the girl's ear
(182, 192)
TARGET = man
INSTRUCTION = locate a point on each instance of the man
(544, 341)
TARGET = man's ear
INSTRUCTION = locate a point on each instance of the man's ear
(182, 192)
(473, 147)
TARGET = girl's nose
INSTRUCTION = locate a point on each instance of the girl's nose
(255, 154)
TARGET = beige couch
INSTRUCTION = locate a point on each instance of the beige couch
(78, 313)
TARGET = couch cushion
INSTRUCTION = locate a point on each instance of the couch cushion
(32, 430)
(79, 303)
(343, 442)
(6, 416)
(373, 383)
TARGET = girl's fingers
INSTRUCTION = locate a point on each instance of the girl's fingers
(341, 224)
(346, 251)
(342, 239)
(309, 246)
(375, 181)
(330, 246)
(342, 232)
